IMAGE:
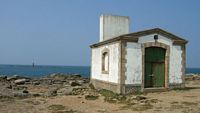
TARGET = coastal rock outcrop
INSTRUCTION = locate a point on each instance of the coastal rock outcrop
(47, 86)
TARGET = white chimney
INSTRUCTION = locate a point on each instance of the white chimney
(112, 26)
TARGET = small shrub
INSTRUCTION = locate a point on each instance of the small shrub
(91, 86)
(112, 97)
(91, 97)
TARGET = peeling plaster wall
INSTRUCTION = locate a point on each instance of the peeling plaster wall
(114, 55)
(133, 66)
(175, 65)
(175, 58)
(134, 60)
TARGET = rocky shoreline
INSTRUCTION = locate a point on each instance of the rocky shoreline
(51, 85)
(61, 93)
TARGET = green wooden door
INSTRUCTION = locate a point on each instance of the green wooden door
(154, 67)
(159, 74)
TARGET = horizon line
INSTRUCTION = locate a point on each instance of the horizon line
(47, 65)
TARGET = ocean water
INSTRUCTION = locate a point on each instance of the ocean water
(193, 70)
(39, 71)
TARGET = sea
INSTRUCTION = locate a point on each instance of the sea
(42, 70)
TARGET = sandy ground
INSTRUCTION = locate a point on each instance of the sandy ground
(175, 101)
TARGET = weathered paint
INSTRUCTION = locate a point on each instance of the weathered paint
(175, 65)
(150, 38)
(134, 60)
(133, 66)
(112, 26)
(113, 72)
(154, 75)
(175, 56)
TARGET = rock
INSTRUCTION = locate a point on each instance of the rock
(65, 91)
(5, 98)
(25, 91)
(20, 95)
(4, 77)
(74, 83)
(53, 75)
(80, 81)
(76, 75)
(58, 76)
(15, 77)
(46, 81)
(35, 94)
(21, 81)
(79, 90)
(58, 82)
(36, 83)
(50, 93)
(138, 98)
(16, 87)
(154, 100)
(82, 102)
(9, 86)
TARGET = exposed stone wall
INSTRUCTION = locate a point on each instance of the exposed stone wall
(176, 86)
(132, 88)
(105, 85)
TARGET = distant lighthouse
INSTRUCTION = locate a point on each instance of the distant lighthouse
(33, 64)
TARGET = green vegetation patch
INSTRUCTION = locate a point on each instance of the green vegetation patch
(91, 97)
(91, 86)
(5, 98)
(189, 103)
(112, 97)
(56, 107)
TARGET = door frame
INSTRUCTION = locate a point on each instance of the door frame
(160, 45)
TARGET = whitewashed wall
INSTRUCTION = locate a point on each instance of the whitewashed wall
(112, 26)
(96, 70)
(175, 65)
(134, 60)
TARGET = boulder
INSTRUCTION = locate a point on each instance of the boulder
(36, 83)
(76, 75)
(74, 83)
(21, 81)
(16, 77)
(81, 81)
(138, 98)
(25, 91)
(65, 91)
(3, 77)
(50, 93)
(8, 86)
(35, 94)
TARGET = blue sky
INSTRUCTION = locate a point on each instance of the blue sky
(59, 32)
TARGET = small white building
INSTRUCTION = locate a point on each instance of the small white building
(126, 62)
